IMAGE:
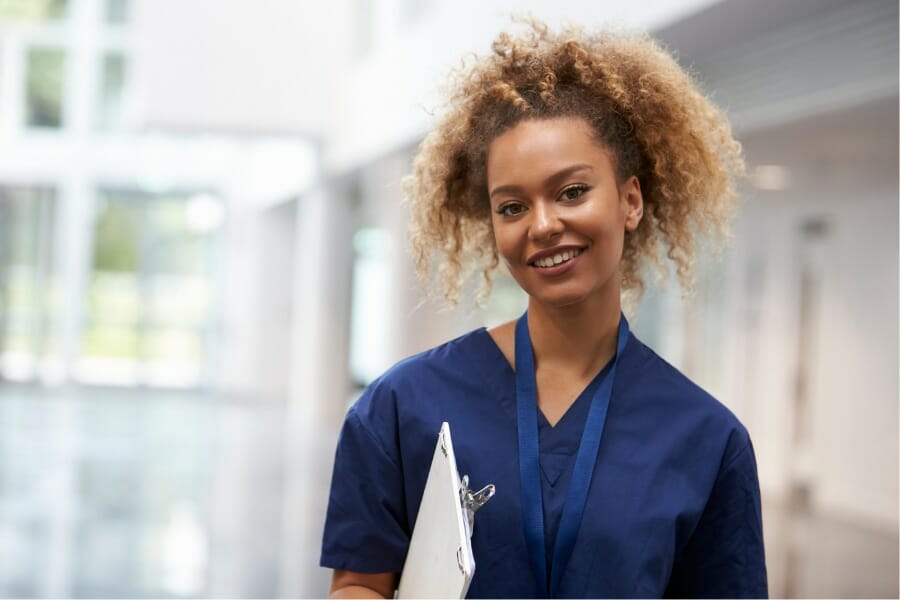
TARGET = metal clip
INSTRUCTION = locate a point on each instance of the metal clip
(472, 501)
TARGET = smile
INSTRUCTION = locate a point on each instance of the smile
(557, 259)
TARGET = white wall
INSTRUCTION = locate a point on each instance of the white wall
(851, 462)
(244, 66)
(842, 171)
(856, 423)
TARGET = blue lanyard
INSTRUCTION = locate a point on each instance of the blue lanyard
(529, 463)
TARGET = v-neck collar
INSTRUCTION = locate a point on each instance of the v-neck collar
(501, 378)
(577, 411)
(565, 436)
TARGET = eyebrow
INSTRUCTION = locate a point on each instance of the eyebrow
(549, 182)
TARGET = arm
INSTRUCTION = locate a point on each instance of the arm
(724, 557)
(349, 584)
(365, 537)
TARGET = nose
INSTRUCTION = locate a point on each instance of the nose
(545, 223)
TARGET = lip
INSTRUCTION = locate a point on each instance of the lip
(550, 252)
(559, 269)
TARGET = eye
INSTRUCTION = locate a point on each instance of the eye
(574, 191)
(512, 209)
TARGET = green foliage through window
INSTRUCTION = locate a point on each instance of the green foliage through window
(151, 293)
(32, 10)
(44, 99)
(117, 237)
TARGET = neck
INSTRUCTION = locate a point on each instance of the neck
(579, 339)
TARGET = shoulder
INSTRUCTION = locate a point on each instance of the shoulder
(446, 370)
(455, 357)
(655, 385)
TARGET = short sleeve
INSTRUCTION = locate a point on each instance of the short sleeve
(365, 524)
(725, 557)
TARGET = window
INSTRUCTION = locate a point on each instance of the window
(150, 310)
(118, 12)
(29, 296)
(140, 530)
(44, 88)
(112, 85)
(32, 10)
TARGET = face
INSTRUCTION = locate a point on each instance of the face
(558, 214)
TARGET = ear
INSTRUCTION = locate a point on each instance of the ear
(633, 202)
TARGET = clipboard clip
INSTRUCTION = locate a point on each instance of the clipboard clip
(472, 501)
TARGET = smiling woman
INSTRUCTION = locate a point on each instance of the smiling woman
(574, 159)
(640, 106)
(560, 228)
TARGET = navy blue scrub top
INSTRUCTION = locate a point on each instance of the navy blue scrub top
(673, 509)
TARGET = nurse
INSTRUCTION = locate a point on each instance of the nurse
(577, 160)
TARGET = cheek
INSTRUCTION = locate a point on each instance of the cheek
(504, 250)
(503, 241)
(611, 223)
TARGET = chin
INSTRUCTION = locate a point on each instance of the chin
(573, 294)
(561, 300)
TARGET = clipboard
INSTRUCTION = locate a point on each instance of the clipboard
(439, 562)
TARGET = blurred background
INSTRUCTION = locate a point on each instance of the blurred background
(203, 261)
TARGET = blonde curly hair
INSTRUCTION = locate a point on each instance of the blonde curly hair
(641, 106)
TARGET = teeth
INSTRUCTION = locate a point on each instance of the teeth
(557, 259)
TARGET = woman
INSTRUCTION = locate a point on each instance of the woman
(574, 159)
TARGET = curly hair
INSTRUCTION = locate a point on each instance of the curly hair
(641, 106)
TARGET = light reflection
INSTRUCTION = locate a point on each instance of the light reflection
(204, 213)
(771, 177)
(184, 552)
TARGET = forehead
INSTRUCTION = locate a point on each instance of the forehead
(534, 149)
